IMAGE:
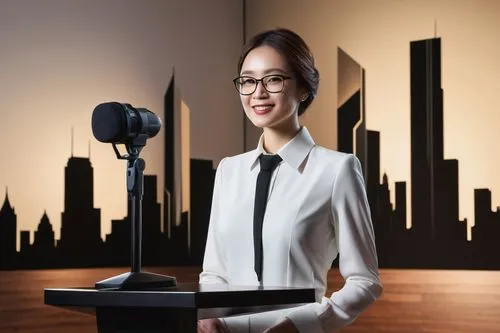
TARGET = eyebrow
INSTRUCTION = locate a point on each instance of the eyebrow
(267, 71)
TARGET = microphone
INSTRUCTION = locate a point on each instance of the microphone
(120, 123)
(116, 123)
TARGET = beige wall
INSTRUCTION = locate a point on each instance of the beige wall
(376, 33)
(61, 58)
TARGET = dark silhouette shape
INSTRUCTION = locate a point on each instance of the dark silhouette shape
(43, 248)
(8, 229)
(80, 243)
(169, 196)
(426, 133)
(202, 180)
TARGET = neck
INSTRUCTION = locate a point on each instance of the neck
(277, 137)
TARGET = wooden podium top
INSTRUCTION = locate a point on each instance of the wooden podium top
(184, 295)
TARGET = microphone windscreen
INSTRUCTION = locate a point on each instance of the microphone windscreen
(109, 123)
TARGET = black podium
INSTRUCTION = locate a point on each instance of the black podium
(171, 310)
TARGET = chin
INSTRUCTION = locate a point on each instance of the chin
(261, 123)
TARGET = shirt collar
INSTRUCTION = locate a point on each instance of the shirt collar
(294, 152)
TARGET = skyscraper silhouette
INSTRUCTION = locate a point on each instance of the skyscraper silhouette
(177, 155)
(426, 133)
(177, 176)
(8, 237)
(80, 222)
(170, 193)
(434, 180)
(351, 114)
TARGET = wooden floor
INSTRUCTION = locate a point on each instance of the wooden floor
(432, 301)
(413, 301)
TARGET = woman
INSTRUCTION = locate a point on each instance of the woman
(315, 204)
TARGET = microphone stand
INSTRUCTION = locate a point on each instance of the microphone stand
(136, 279)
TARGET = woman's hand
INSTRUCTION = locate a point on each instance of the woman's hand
(286, 326)
(211, 325)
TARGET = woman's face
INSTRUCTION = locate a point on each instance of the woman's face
(268, 109)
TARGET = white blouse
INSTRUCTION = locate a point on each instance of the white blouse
(317, 208)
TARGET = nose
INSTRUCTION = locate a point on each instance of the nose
(260, 91)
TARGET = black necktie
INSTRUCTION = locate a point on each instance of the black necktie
(267, 164)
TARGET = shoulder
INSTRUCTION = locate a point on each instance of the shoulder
(238, 159)
(236, 162)
(334, 159)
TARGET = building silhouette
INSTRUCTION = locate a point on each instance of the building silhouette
(8, 236)
(44, 235)
(117, 246)
(80, 243)
(486, 229)
(153, 244)
(43, 250)
(202, 178)
(426, 133)
(351, 115)
(176, 209)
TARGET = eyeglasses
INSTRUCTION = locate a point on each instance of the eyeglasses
(274, 83)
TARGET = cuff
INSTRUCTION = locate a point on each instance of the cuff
(236, 324)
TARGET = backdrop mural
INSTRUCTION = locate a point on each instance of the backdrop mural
(60, 59)
(419, 221)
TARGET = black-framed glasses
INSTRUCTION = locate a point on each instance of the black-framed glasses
(273, 83)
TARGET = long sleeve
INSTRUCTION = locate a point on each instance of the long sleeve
(214, 270)
(358, 257)
(358, 264)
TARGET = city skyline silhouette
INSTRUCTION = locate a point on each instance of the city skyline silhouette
(437, 237)
(81, 245)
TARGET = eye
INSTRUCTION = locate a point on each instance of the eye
(274, 79)
(247, 81)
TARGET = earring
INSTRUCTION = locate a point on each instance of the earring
(303, 98)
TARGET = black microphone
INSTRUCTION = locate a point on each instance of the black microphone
(115, 122)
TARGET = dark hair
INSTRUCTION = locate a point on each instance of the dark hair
(297, 54)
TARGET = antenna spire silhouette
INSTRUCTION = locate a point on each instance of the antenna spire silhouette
(72, 139)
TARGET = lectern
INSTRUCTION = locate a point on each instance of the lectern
(173, 309)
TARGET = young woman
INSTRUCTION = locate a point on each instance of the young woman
(315, 204)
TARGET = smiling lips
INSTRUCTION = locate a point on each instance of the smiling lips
(262, 109)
